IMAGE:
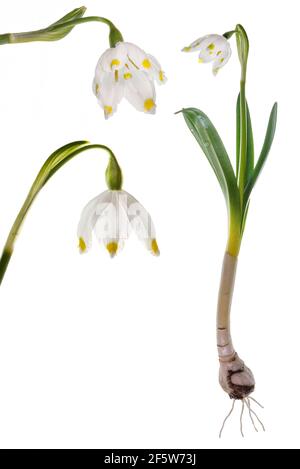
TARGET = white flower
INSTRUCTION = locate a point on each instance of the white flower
(212, 48)
(112, 215)
(126, 70)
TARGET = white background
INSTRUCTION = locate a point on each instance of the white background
(98, 353)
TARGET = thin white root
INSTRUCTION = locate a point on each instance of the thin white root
(256, 402)
(251, 414)
(262, 425)
(226, 418)
(241, 418)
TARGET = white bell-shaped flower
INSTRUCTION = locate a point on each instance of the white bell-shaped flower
(212, 48)
(127, 71)
(112, 215)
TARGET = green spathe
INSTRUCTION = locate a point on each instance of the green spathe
(54, 32)
(242, 43)
(62, 28)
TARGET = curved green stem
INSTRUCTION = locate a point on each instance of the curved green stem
(51, 165)
(115, 35)
(59, 30)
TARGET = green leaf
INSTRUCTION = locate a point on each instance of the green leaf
(264, 153)
(213, 148)
(244, 217)
(238, 134)
(250, 142)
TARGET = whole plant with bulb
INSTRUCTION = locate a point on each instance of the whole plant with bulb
(235, 378)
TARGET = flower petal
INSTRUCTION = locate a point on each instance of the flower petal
(87, 222)
(113, 246)
(212, 47)
(96, 87)
(221, 60)
(140, 92)
(110, 92)
(142, 224)
(113, 58)
(112, 223)
(136, 56)
(156, 70)
(195, 45)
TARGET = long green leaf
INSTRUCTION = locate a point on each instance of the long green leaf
(244, 217)
(250, 143)
(213, 148)
(264, 153)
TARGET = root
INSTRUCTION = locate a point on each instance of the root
(241, 418)
(256, 402)
(226, 418)
(244, 401)
(250, 414)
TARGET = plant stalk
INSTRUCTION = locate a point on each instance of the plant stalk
(55, 161)
(235, 378)
(115, 35)
(243, 50)
(243, 139)
(225, 347)
(234, 236)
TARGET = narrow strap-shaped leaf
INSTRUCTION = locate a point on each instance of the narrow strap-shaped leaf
(238, 134)
(264, 152)
(213, 148)
(250, 142)
(244, 217)
(250, 148)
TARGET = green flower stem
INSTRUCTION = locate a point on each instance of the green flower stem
(243, 141)
(115, 35)
(53, 164)
(53, 32)
(228, 34)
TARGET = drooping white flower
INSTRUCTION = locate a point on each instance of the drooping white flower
(212, 48)
(112, 215)
(127, 71)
